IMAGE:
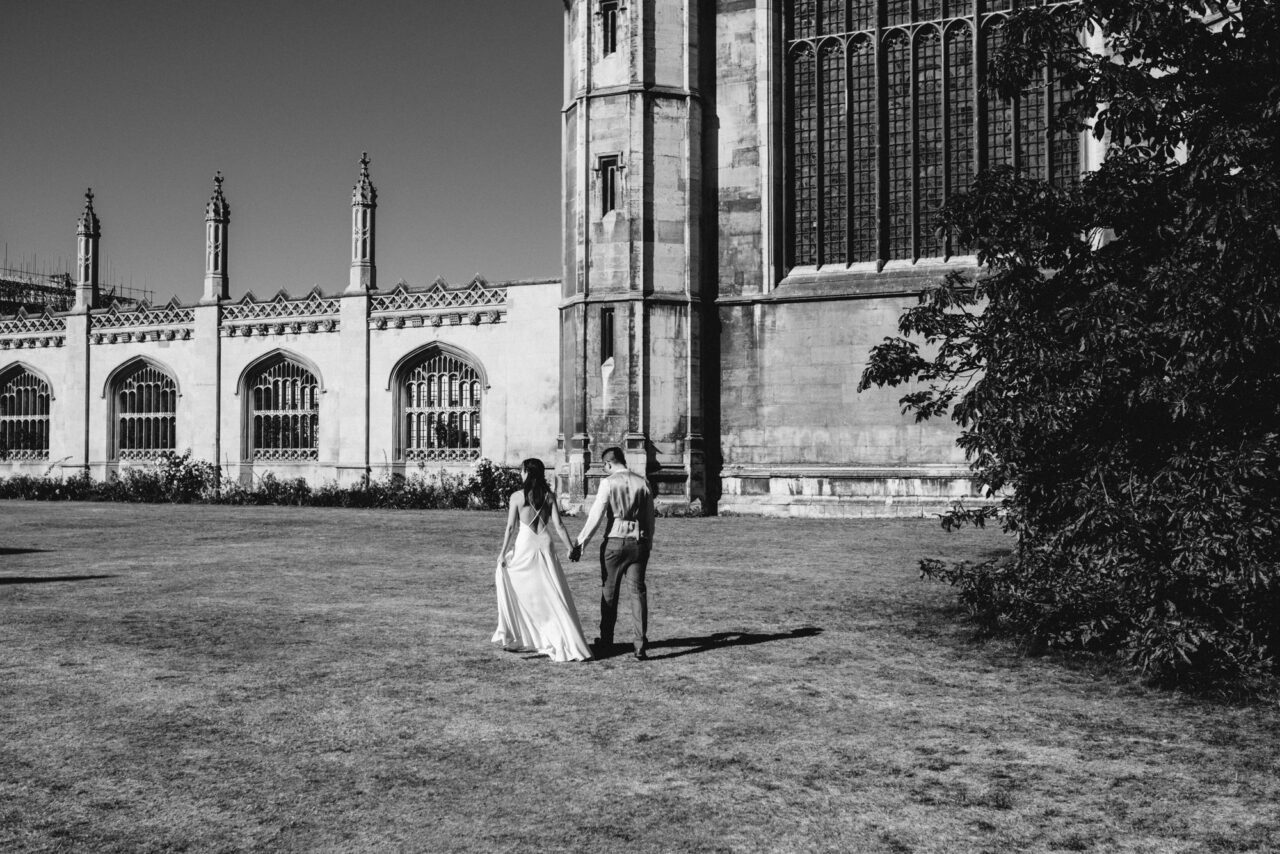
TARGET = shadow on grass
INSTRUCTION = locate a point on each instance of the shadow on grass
(45, 579)
(5, 551)
(706, 643)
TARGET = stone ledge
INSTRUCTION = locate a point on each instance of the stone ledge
(811, 506)
(788, 470)
(896, 279)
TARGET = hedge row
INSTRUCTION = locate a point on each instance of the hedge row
(177, 478)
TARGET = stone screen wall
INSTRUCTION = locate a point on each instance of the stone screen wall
(349, 353)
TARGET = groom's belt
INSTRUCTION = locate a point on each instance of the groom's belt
(624, 529)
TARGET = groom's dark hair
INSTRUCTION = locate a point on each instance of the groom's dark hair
(613, 455)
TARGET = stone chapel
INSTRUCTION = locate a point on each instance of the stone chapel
(750, 188)
(749, 193)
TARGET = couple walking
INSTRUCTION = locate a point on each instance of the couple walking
(535, 608)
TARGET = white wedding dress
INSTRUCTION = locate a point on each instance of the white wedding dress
(535, 608)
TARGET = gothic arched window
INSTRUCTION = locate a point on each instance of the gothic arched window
(24, 415)
(999, 113)
(834, 203)
(804, 19)
(144, 401)
(833, 16)
(863, 145)
(282, 397)
(959, 109)
(804, 158)
(1064, 144)
(898, 61)
(929, 142)
(887, 118)
(438, 410)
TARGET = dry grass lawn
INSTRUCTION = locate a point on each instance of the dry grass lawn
(225, 679)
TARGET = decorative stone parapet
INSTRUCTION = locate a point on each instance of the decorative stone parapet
(441, 455)
(170, 322)
(141, 455)
(32, 331)
(439, 305)
(286, 455)
(173, 314)
(281, 315)
(140, 335)
(24, 455)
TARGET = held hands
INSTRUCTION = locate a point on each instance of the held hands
(575, 552)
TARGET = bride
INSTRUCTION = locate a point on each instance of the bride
(535, 607)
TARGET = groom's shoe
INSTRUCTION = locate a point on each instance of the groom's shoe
(600, 645)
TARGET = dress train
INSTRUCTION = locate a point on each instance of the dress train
(535, 608)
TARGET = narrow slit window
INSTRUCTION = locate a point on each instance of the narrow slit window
(606, 334)
(608, 27)
(609, 168)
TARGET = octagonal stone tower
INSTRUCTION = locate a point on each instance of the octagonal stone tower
(632, 309)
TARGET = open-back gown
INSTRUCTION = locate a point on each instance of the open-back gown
(535, 608)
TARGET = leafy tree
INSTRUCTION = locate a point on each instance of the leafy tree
(1114, 366)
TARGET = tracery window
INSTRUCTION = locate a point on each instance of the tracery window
(804, 155)
(24, 416)
(834, 203)
(440, 397)
(898, 117)
(284, 412)
(885, 121)
(863, 237)
(999, 113)
(146, 405)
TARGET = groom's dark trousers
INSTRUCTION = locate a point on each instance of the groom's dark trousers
(624, 556)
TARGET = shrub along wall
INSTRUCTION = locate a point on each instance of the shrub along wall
(178, 478)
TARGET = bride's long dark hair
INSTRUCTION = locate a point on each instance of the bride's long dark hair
(535, 482)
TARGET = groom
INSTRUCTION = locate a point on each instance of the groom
(626, 499)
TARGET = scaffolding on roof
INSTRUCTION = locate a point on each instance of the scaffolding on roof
(57, 292)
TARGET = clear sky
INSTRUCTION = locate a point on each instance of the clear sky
(456, 101)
